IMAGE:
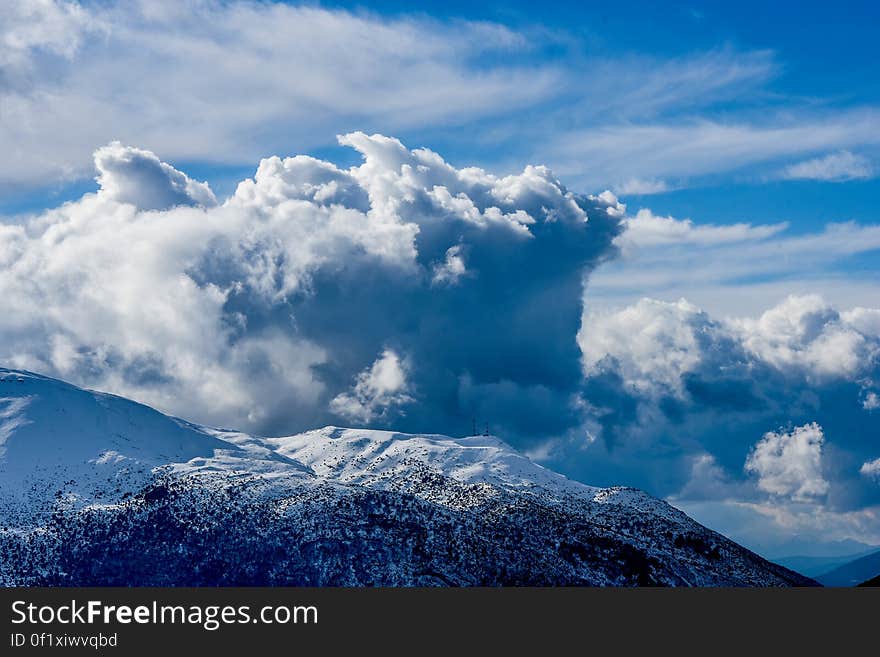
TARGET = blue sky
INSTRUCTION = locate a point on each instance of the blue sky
(723, 354)
(813, 66)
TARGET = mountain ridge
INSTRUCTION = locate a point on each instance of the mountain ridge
(853, 572)
(813, 566)
(101, 490)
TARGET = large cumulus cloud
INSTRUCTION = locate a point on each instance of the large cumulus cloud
(402, 292)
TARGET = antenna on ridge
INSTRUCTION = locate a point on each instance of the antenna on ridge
(487, 430)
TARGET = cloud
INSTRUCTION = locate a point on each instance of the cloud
(646, 229)
(805, 333)
(640, 86)
(407, 293)
(50, 27)
(708, 480)
(650, 345)
(131, 175)
(269, 308)
(790, 464)
(735, 268)
(653, 345)
(871, 468)
(227, 82)
(780, 530)
(835, 167)
(866, 320)
(871, 401)
(451, 269)
(695, 147)
(231, 81)
(636, 187)
(375, 391)
(785, 509)
(693, 395)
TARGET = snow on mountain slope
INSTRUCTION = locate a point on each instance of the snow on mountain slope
(371, 457)
(45, 422)
(380, 459)
(59, 443)
(99, 490)
(50, 430)
(90, 446)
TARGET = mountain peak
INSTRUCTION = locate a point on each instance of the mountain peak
(129, 487)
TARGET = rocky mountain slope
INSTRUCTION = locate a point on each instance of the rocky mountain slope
(100, 490)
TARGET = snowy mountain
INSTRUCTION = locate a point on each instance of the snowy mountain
(99, 490)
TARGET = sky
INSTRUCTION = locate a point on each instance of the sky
(640, 242)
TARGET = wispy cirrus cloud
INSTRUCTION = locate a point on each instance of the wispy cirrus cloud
(835, 167)
(737, 268)
(639, 187)
(871, 469)
(229, 82)
(646, 229)
(233, 81)
(641, 87)
(703, 146)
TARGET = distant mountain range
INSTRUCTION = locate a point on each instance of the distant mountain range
(813, 566)
(853, 572)
(99, 490)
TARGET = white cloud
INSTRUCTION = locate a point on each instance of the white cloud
(637, 187)
(132, 175)
(451, 269)
(871, 469)
(866, 320)
(781, 516)
(790, 464)
(654, 344)
(265, 307)
(45, 25)
(376, 389)
(835, 167)
(733, 268)
(777, 529)
(639, 86)
(804, 332)
(871, 402)
(232, 81)
(228, 82)
(708, 480)
(703, 147)
(668, 384)
(649, 230)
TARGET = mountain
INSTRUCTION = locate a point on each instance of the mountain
(854, 572)
(874, 581)
(813, 566)
(99, 490)
(845, 549)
